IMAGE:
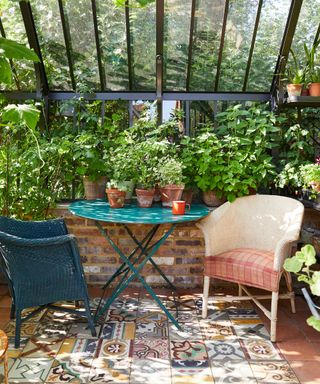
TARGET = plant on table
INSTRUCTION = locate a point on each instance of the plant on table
(301, 264)
(295, 76)
(310, 174)
(313, 68)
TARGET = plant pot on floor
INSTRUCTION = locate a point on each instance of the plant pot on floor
(94, 189)
(212, 200)
(170, 193)
(314, 89)
(116, 197)
(145, 197)
(294, 89)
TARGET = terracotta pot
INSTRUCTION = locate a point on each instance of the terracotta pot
(116, 198)
(212, 200)
(314, 89)
(94, 189)
(145, 197)
(157, 195)
(305, 92)
(187, 196)
(294, 89)
(169, 193)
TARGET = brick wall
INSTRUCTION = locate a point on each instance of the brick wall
(180, 257)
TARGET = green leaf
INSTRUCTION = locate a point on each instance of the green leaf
(314, 322)
(304, 278)
(5, 71)
(315, 283)
(13, 50)
(310, 254)
(21, 113)
(293, 264)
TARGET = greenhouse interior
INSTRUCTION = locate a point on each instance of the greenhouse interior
(160, 191)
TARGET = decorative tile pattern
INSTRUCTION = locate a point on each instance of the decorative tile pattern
(139, 345)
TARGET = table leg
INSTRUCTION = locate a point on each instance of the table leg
(6, 370)
(135, 274)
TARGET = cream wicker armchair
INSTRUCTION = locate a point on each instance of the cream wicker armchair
(247, 242)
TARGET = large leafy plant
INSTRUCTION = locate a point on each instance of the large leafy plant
(301, 264)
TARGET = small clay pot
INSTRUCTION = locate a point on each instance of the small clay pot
(294, 89)
(116, 198)
(169, 193)
(314, 89)
(145, 197)
(94, 189)
(212, 200)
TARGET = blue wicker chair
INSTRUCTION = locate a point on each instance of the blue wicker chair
(42, 265)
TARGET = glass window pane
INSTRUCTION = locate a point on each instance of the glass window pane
(80, 20)
(14, 28)
(50, 34)
(306, 30)
(176, 43)
(237, 42)
(113, 43)
(273, 20)
(143, 42)
(206, 43)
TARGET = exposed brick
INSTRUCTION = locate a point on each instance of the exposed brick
(164, 260)
(196, 233)
(189, 260)
(196, 270)
(188, 242)
(103, 260)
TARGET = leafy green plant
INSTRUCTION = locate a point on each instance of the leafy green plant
(187, 156)
(170, 171)
(310, 174)
(294, 74)
(312, 70)
(301, 264)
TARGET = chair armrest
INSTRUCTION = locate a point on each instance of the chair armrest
(283, 250)
(42, 242)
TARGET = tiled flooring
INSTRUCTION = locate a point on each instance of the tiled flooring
(138, 345)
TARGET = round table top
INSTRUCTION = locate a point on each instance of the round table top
(132, 214)
(3, 343)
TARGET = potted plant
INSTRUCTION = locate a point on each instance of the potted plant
(295, 77)
(116, 192)
(310, 174)
(170, 180)
(313, 70)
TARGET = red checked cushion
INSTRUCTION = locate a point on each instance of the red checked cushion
(246, 266)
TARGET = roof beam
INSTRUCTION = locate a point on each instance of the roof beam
(102, 74)
(67, 41)
(192, 23)
(223, 33)
(253, 41)
(289, 31)
(42, 82)
(129, 54)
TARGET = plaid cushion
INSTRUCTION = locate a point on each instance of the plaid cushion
(246, 266)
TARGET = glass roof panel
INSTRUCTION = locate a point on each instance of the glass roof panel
(176, 43)
(306, 29)
(13, 25)
(113, 43)
(143, 47)
(237, 42)
(206, 43)
(50, 35)
(272, 24)
(80, 21)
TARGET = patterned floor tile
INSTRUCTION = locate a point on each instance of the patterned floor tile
(188, 350)
(48, 330)
(248, 331)
(10, 364)
(108, 375)
(67, 372)
(39, 348)
(145, 371)
(232, 372)
(189, 331)
(29, 370)
(82, 331)
(27, 329)
(156, 348)
(131, 304)
(217, 316)
(12, 351)
(242, 313)
(60, 317)
(35, 318)
(120, 315)
(259, 349)
(273, 372)
(116, 350)
(150, 305)
(185, 316)
(191, 375)
(118, 330)
(215, 331)
(224, 350)
(151, 317)
(182, 303)
(152, 329)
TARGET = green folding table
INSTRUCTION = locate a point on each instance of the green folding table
(144, 250)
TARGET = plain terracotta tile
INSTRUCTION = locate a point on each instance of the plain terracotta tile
(308, 372)
(299, 350)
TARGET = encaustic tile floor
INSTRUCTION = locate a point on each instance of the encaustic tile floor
(138, 345)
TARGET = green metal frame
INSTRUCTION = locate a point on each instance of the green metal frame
(135, 266)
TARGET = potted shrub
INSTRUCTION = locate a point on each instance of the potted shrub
(170, 180)
(295, 77)
(313, 70)
(88, 156)
(116, 192)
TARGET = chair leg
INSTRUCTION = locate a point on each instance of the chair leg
(6, 370)
(240, 290)
(12, 310)
(18, 328)
(205, 296)
(288, 278)
(274, 310)
(89, 318)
